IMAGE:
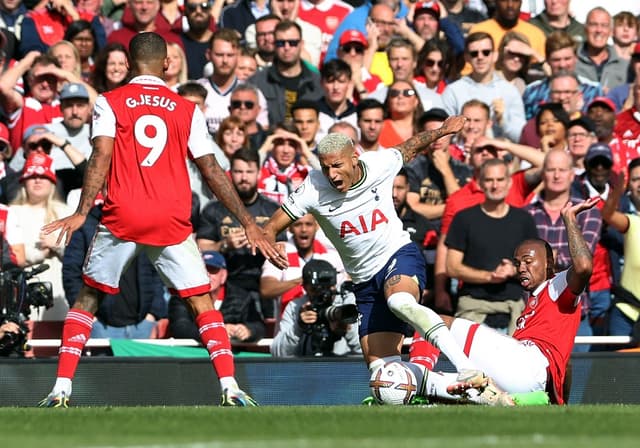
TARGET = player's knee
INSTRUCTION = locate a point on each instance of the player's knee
(402, 304)
(88, 299)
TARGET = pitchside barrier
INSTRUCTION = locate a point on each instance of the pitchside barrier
(161, 378)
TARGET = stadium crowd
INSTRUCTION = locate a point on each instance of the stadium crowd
(552, 88)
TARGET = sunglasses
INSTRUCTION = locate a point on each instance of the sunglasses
(285, 141)
(431, 63)
(353, 47)
(476, 53)
(193, 7)
(237, 104)
(44, 144)
(280, 43)
(393, 93)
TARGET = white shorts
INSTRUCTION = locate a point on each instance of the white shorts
(180, 266)
(516, 366)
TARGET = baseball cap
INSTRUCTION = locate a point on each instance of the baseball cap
(430, 7)
(353, 36)
(584, 122)
(603, 100)
(598, 150)
(214, 259)
(38, 164)
(74, 90)
(434, 114)
(34, 129)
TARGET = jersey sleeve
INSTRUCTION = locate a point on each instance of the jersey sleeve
(104, 120)
(383, 164)
(198, 137)
(302, 200)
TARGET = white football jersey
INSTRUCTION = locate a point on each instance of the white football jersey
(362, 223)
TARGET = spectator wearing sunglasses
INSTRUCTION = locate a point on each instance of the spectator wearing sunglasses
(484, 84)
(355, 50)
(403, 109)
(403, 60)
(244, 105)
(434, 66)
(507, 18)
(288, 79)
(196, 39)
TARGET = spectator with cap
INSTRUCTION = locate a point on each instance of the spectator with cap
(9, 178)
(357, 20)
(181, 321)
(134, 311)
(581, 134)
(38, 204)
(603, 113)
(597, 60)
(628, 121)
(594, 182)
(355, 50)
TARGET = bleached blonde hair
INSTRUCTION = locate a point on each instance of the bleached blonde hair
(335, 142)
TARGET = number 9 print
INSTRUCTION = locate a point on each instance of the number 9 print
(157, 143)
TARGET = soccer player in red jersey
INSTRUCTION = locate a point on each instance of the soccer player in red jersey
(536, 357)
(141, 134)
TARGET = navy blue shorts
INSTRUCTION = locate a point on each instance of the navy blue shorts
(375, 315)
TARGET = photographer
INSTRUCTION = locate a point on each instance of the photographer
(319, 323)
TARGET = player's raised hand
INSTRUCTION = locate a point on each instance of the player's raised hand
(66, 226)
(272, 252)
(453, 124)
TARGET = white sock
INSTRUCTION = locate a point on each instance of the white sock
(228, 382)
(437, 383)
(62, 385)
(430, 325)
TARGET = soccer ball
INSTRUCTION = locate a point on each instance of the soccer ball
(393, 383)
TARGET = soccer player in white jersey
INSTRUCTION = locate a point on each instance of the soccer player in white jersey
(536, 357)
(352, 201)
(142, 134)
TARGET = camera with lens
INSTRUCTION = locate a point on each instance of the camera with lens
(319, 279)
(16, 299)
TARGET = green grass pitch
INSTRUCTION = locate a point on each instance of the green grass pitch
(610, 426)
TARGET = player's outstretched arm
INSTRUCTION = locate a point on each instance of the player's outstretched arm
(420, 141)
(221, 186)
(95, 175)
(581, 258)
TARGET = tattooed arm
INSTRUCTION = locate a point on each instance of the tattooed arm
(221, 186)
(581, 258)
(95, 175)
(419, 142)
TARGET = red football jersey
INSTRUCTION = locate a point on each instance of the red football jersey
(148, 194)
(551, 319)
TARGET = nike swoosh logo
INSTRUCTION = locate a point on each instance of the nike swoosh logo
(333, 208)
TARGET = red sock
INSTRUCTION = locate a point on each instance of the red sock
(75, 334)
(215, 338)
(423, 352)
